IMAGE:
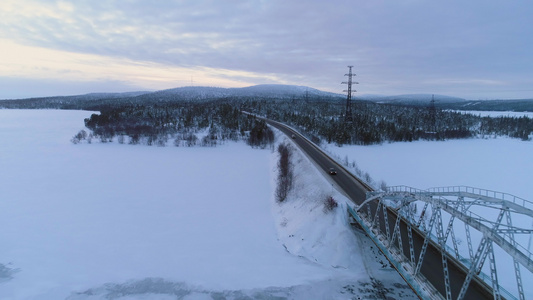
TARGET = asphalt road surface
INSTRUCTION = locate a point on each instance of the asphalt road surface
(432, 267)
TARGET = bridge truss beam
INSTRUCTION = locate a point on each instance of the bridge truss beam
(463, 204)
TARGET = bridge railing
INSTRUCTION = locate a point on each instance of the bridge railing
(483, 192)
(465, 189)
(473, 191)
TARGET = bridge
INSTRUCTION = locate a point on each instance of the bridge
(466, 225)
(439, 239)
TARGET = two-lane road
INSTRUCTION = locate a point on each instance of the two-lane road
(355, 190)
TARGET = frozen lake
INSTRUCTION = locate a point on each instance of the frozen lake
(502, 164)
(94, 221)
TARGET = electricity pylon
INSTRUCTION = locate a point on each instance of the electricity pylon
(348, 117)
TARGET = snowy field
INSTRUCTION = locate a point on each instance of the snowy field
(110, 221)
(501, 164)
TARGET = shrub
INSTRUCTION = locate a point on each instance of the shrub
(79, 137)
(330, 204)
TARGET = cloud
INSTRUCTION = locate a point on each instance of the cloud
(298, 42)
(33, 63)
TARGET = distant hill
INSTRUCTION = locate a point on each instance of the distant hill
(412, 99)
(277, 91)
(284, 91)
(90, 96)
(96, 96)
(86, 101)
(95, 101)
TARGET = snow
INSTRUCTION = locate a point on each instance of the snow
(307, 230)
(500, 164)
(262, 90)
(136, 222)
(100, 221)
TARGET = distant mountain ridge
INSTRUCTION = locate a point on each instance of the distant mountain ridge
(411, 99)
(94, 101)
(112, 95)
(263, 90)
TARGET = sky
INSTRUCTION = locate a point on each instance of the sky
(474, 49)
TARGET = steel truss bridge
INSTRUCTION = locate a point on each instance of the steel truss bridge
(473, 235)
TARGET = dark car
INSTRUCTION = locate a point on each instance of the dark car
(332, 171)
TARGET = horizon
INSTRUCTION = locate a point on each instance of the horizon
(355, 96)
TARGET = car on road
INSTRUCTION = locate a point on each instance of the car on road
(293, 136)
(332, 171)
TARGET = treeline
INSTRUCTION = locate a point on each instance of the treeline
(205, 123)
(377, 123)
(517, 105)
(210, 122)
(162, 118)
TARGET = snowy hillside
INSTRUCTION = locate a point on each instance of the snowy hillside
(193, 92)
(286, 91)
(113, 95)
(95, 101)
(277, 91)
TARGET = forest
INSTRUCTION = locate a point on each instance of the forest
(206, 123)
(163, 118)
(321, 121)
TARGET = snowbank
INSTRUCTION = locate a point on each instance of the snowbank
(308, 230)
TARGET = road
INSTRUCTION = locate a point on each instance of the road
(355, 190)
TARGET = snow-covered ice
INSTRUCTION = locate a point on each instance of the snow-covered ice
(496, 164)
(137, 222)
(99, 221)
(500, 164)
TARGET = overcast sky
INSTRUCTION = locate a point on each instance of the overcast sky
(475, 49)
